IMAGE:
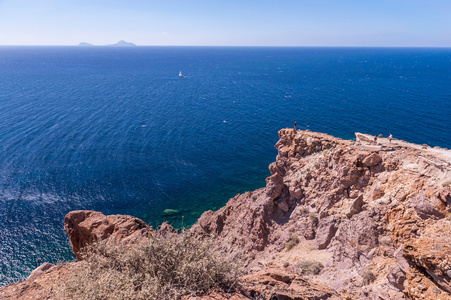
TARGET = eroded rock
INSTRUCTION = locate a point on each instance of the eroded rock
(84, 227)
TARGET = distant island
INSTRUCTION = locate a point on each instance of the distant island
(121, 43)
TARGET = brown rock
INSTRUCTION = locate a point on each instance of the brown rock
(40, 270)
(425, 207)
(356, 206)
(166, 229)
(85, 227)
(372, 160)
(355, 239)
(325, 232)
(403, 264)
(282, 283)
(396, 278)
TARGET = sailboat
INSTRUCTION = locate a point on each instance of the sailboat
(180, 75)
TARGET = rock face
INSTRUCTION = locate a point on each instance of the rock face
(361, 219)
(85, 227)
(376, 208)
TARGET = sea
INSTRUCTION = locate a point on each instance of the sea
(117, 130)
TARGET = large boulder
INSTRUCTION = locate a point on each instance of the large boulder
(84, 227)
(425, 207)
(325, 232)
(372, 160)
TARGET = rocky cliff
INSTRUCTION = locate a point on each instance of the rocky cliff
(338, 219)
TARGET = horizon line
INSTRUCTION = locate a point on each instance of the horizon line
(242, 46)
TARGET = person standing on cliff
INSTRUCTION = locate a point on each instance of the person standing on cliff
(390, 138)
(295, 125)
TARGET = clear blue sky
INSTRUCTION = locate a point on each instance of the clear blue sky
(229, 22)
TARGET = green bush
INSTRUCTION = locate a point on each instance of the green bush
(158, 268)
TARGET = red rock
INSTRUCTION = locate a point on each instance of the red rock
(325, 232)
(372, 160)
(85, 227)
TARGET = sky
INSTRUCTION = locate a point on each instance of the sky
(367, 23)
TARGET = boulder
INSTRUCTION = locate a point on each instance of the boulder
(356, 206)
(425, 208)
(396, 278)
(40, 270)
(166, 229)
(403, 264)
(84, 227)
(372, 160)
(325, 232)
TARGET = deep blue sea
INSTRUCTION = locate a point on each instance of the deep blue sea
(116, 129)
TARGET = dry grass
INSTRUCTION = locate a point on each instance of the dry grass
(305, 267)
(368, 277)
(447, 183)
(313, 217)
(293, 241)
(156, 269)
(303, 209)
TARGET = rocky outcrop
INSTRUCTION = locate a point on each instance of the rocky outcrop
(364, 219)
(275, 283)
(282, 283)
(83, 227)
(369, 204)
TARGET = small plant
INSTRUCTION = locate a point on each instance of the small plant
(303, 209)
(158, 268)
(306, 267)
(292, 241)
(446, 183)
(368, 277)
(254, 197)
(313, 217)
(448, 216)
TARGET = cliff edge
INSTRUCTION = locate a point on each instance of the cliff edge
(364, 219)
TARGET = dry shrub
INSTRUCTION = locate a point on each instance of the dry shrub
(305, 267)
(446, 183)
(158, 268)
(313, 217)
(303, 209)
(368, 277)
(292, 241)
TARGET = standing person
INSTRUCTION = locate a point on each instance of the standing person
(295, 125)
(390, 138)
